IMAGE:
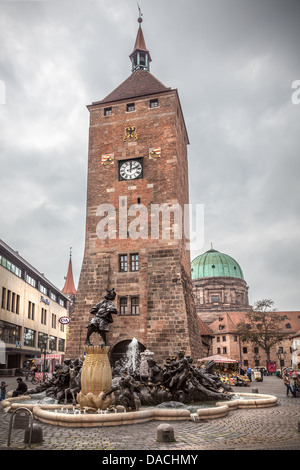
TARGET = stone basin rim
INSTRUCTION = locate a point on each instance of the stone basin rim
(45, 413)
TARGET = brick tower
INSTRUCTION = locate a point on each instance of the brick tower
(137, 165)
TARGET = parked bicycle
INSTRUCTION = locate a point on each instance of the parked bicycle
(35, 380)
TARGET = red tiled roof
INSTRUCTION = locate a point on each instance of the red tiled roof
(204, 329)
(69, 287)
(139, 83)
(230, 320)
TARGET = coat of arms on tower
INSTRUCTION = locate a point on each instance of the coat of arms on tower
(155, 152)
(130, 133)
(107, 159)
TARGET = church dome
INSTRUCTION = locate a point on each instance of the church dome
(212, 263)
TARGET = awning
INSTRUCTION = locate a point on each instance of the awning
(218, 359)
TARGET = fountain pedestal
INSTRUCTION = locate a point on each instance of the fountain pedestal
(96, 379)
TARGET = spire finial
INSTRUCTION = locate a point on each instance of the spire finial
(211, 246)
(140, 19)
(70, 252)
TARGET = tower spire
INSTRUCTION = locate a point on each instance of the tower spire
(69, 287)
(140, 57)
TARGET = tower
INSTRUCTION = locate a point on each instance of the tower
(69, 288)
(136, 191)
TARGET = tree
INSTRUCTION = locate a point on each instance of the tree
(262, 326)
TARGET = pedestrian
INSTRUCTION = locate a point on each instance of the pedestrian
(286, 381)
(262, 374)
(3, 391)
(21, 388)
(249, 373)
(294, 384)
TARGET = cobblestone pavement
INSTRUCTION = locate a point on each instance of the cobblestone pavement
(274, 428)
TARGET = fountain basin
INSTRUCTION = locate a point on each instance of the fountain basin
(109, 419)
(48, 413)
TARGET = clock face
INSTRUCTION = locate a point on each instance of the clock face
(130, 170)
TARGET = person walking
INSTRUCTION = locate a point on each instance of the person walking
(286, 381)
(294, 384)
(249, 373)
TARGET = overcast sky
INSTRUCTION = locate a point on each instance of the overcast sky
(233, 63)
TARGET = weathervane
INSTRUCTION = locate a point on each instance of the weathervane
(140, 20)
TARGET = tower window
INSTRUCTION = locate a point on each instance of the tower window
(134, 262)
(154, 103)
(130, 107)
(135, 306)
(123, 306)
(215, 298)
(123, 263)
(107, 111)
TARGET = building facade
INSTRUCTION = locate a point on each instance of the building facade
(30, 309)
(137, 168)
(221, 296)
(227, 342)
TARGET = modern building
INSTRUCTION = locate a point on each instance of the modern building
(137, 163)
(30, 310)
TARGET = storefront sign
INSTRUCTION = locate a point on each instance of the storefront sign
(64, 320)
(51, 356)
(46, 301)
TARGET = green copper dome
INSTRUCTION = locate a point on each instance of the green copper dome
(212, 263)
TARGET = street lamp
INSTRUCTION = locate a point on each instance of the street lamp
(279, 354)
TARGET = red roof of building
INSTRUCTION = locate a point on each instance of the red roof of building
(228, 321)
(69, 287)
(139, 83)
(204, 329)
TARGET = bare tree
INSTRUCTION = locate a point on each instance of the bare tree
(263, 326)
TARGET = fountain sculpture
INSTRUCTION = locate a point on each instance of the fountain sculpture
(99, 393)
(135, 381)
